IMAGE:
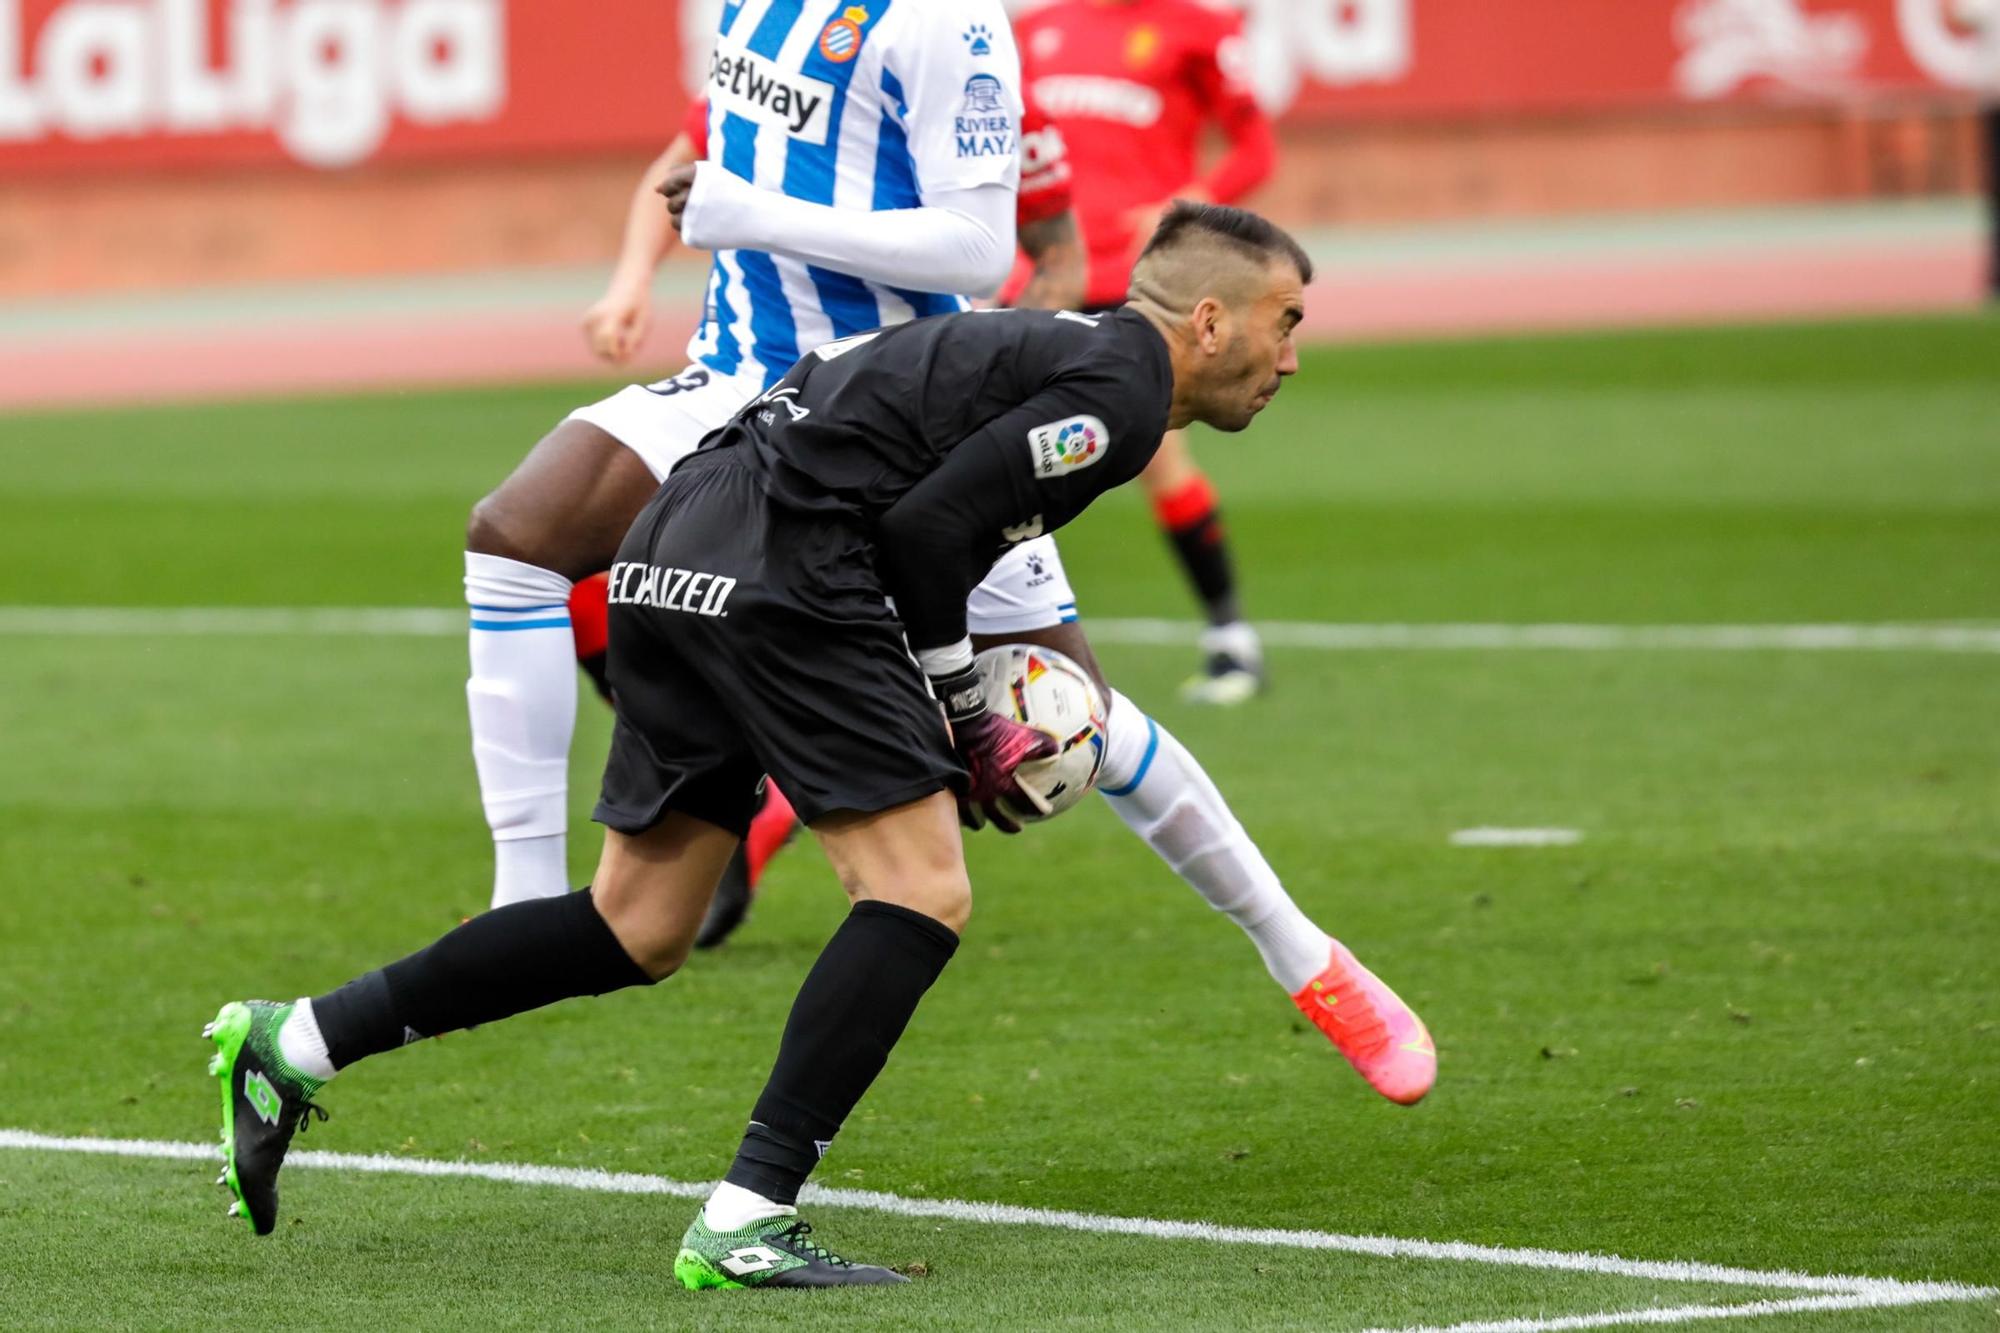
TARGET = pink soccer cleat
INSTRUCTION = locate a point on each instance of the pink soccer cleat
(1381, 1036)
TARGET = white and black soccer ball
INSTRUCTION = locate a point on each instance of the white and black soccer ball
(1043, 689)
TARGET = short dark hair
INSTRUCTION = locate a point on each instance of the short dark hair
(1249, 234)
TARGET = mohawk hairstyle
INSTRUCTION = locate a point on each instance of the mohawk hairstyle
(1254, 237)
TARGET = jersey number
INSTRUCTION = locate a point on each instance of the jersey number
(694, 377)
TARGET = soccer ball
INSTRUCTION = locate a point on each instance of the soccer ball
(1047, 691)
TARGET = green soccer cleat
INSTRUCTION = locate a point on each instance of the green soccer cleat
(264, 1102)
(773, 1252)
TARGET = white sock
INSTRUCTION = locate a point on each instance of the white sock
(731, 1208)
(1238, 639)
(1161, 793)
(302, 1046)
(522, 699)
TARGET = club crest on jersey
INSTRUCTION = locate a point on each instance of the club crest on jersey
(1142, 45)
(1068, 445)
(979, 40)
(984, 126)
(840, 40)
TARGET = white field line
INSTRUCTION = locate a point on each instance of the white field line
(1829, 1293)
(1516, 837)
(1684, 1314)
(430, 622)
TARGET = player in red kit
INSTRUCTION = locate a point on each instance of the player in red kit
(1133, 86)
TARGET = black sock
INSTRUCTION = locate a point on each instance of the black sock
(1990, 121)
(853, 1006)
(596, 667)
(505, 962)
(1204, 554)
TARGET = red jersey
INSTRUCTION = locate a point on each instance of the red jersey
(1044, 165)
(1132, 84)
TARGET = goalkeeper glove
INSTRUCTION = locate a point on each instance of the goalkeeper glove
(991, 747)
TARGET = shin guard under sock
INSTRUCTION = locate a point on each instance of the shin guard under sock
(505, 962)
(854, 1004)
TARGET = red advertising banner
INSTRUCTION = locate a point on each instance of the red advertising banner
(147, 85)
(140, 85)
(1456, 57)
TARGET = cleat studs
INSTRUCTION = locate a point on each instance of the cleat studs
(235, 1210)
(215, 1065)
(208, 1029)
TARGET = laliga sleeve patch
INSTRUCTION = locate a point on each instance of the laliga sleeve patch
(1069, 445)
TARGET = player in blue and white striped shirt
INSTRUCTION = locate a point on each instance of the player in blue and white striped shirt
(865, 159)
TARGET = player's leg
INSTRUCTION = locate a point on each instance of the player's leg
(1163, 795)
(557, 518)
(1184, 502)
(590, 629)
(904, 872)
(632, 927)
(812, 667)
(771, 829)
(677, 795)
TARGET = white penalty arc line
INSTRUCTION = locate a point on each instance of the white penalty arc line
(436, 622)
(1827, 1292)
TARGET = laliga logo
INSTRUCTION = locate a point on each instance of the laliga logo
(325, 76)
(1075, 443)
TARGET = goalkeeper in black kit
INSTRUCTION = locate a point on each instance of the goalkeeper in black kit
(792, 603)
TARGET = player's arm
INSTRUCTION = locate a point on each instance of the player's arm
(1004, 482)
(1223, 83)
(938, 541)
(1056, 248)
(1046, 224)
(617, 323)
(961, 117)
(959, 241)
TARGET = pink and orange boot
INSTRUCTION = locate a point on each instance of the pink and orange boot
(1381, 1036)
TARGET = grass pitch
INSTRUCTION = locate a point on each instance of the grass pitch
(1752, 1018)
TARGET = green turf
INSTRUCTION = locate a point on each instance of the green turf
(1751, 1019)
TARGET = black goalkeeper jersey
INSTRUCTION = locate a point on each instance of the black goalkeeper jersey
(954, 437)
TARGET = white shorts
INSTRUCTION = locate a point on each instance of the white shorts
(662, 422)
(1027, 589)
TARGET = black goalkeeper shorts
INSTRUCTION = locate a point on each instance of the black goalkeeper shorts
(746, 640)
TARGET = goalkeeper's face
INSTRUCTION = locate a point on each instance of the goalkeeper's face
(1253, 347)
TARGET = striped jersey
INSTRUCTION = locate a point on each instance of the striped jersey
(866, 106)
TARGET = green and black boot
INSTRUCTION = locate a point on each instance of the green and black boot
(264, 1102)
(773, 1252)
